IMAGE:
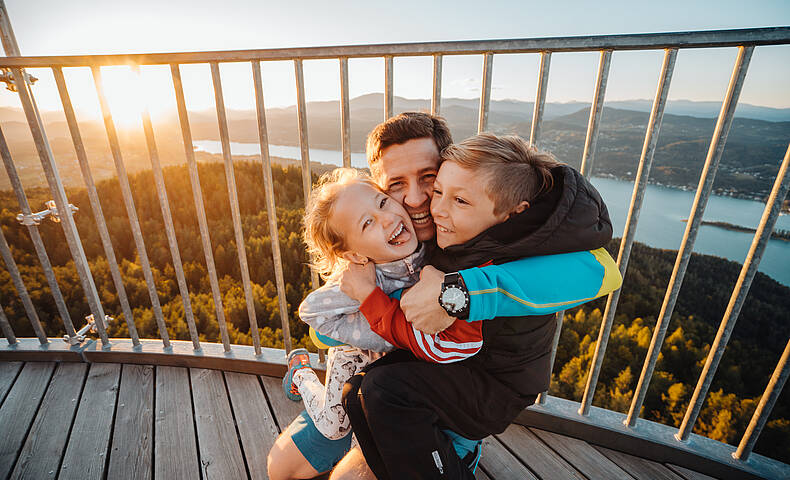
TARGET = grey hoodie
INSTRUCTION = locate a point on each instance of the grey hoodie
(334, 314)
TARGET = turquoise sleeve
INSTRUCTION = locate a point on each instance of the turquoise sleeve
(539, 285)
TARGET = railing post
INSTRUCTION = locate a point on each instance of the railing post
(128, 200)
(170, 231)
(540, 98)
(772, 208)
(388, 87)
(51, 172)
(763, 411)
(436, 92)
(596, 108)
(32, 315)
(692, 226)
(345, 113)
(627, 241)
(8, 332)
(271, 211)
(485, 93)
(93, 196)
(197, 196)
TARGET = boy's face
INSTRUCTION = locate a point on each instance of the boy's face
(461, 208)
(407, 174)
(375, 226)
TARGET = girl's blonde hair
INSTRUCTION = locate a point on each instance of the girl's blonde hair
(324, 244)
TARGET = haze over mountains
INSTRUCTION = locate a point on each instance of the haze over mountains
(756, 143)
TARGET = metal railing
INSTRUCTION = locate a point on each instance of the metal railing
(671, 43)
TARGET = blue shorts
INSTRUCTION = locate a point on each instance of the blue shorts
(321, 452)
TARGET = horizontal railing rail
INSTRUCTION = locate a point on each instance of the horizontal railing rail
(745, 40)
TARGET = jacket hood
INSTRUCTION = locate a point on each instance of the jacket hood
(570, 217)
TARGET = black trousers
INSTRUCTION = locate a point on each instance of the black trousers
(398, 407)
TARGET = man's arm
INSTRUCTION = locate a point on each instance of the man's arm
(528, 286)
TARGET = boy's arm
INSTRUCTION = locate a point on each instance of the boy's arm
(332, 313)
(458, 342)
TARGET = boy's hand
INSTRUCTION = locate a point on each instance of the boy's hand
(358, 281)
(420, 303)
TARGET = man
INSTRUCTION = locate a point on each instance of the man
(398, 397)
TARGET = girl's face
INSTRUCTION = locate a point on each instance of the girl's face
(375, 227)
(461, 208)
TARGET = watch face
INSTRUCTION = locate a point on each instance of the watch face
(454, 298)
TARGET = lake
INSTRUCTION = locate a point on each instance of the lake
(660, 221)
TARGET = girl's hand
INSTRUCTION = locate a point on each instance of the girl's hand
(358, 281)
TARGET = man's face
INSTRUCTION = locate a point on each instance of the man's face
(408, 171)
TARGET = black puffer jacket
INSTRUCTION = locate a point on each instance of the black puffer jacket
(570, 217)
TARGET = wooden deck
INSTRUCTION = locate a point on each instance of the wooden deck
(117, 421)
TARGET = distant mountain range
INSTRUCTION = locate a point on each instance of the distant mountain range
(755, 146)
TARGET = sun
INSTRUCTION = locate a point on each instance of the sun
(124, 95)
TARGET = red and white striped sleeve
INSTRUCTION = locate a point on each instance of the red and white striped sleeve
(459, 341)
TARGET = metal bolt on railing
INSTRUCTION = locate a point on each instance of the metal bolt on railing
(51, 211)
(79, 337)
(7, 77)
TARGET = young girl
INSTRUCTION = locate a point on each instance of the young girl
(349, 219)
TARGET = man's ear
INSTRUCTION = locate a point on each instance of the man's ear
(520, 207)
(354, 257)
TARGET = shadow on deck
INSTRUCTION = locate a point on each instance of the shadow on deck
(118, 421)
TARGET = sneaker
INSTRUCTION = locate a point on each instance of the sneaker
(298, 358)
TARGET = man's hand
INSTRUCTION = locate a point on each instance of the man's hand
(358, 281)
(421, 306)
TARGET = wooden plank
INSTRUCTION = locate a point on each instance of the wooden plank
(541, 459)
(589, 461)
(46, 441)
(255, 422)
(284, 409)
(131, 450)
(218, 443)
(8, 373)
(689, 474)
(90, 436)
(499, 463)
(19, 409)
(175, 443)
(639, 468)
(481, 475)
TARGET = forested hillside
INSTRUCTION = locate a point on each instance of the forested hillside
(756, 345)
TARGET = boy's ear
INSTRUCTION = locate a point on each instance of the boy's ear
(354, 257)
(520, 207)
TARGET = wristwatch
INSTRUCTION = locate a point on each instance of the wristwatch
(454, 297)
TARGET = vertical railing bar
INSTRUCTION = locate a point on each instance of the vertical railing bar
(8, 332)
(235, 213)
(170, 231)
(540, 98)
(197, 196)
(41, 252)
(16, 277)
(304, 143)
(128, 200)
(596, 108)
(559, 317)
(640, 184)
(763, 410)
(47, 159)
(271, 211)
(388, 86)
(772, 208)
(485, 93)
(345, 113)
(436, 96)
(93, 196)
(692, 226)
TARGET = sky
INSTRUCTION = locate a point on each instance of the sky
(45, 27)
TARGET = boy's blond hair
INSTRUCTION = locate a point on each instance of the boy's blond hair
(325, 245)
(515, 170)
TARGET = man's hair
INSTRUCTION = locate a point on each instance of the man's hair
(514, 170)
(402, 128)
(325, 245)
